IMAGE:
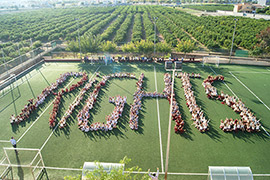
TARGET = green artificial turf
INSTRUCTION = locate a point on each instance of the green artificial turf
(191, 152)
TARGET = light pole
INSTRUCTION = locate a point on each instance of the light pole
(79, 40)
(3, 55)
(235, 20)
(155, 20)
(20, 54)
(32, 54)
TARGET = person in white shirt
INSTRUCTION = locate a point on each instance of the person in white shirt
(154, 176)
(14, 144)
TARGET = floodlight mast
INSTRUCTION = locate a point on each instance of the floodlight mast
(20, 54)
(79, 40)
(3, 55)
(235, 20)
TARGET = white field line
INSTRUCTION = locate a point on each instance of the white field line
(40, 116)
(134, 172)
(237, 97)
(250, 72)
(268, 69)
(159, 127)
(59, 122)
(249, 90)
(169, 128)
(254, 96)
(265, 131)
(4, 141)
(3, 159)
(4, 172)
(223, 82)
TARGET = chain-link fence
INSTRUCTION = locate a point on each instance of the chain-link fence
(23, 62)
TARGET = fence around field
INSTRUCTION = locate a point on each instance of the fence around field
(21, 63)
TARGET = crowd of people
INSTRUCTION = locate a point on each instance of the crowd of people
(111, 120)
(248, 121)
(192, 75)
(176, 116)
(200, 122)
(210, 90)
(137, 104)
(57, 99)
(76, 102)
(84, 114)
(35, 103)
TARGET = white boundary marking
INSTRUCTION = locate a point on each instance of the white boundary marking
(59, 122)
(169, 128)
(40, 116)
(134, 172)
(249, 90)
(4, 172)
(159, 127)
(250, 72)
(137, 172)
(4, 141)
(224, 82)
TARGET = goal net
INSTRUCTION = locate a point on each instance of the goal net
(211, 60)
(25, 163)
(8, 85)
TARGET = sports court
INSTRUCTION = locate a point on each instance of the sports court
(190, 153)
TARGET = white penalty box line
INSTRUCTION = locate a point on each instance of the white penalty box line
(59, 122)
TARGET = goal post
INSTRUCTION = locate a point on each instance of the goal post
(217, 61)
(23, 158)
(211, 60)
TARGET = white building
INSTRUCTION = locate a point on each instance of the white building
(264, 2)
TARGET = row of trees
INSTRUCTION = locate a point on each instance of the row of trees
(149, 28)
(95, 44)
(211, 7)
(137, 28)
(122, 32)
(216, 32)
(172, 24)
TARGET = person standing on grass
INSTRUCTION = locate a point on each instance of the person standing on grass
(14, 144)
(153, 176)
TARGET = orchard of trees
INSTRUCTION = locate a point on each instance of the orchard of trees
(211, 7)
(124, 25)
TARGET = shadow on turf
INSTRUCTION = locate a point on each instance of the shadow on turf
(187, 127)
(20, 170)
(35, 114)
(122, 122)
(213, 132)
(245, 136)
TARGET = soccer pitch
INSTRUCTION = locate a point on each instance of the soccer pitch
(191, 152)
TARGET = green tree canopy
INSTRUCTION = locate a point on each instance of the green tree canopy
(73, 46)
(128, 48)
(91, 43)
(163, 47)
(185, 46)
(115, 174)
(264, 38)
(109, 46)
